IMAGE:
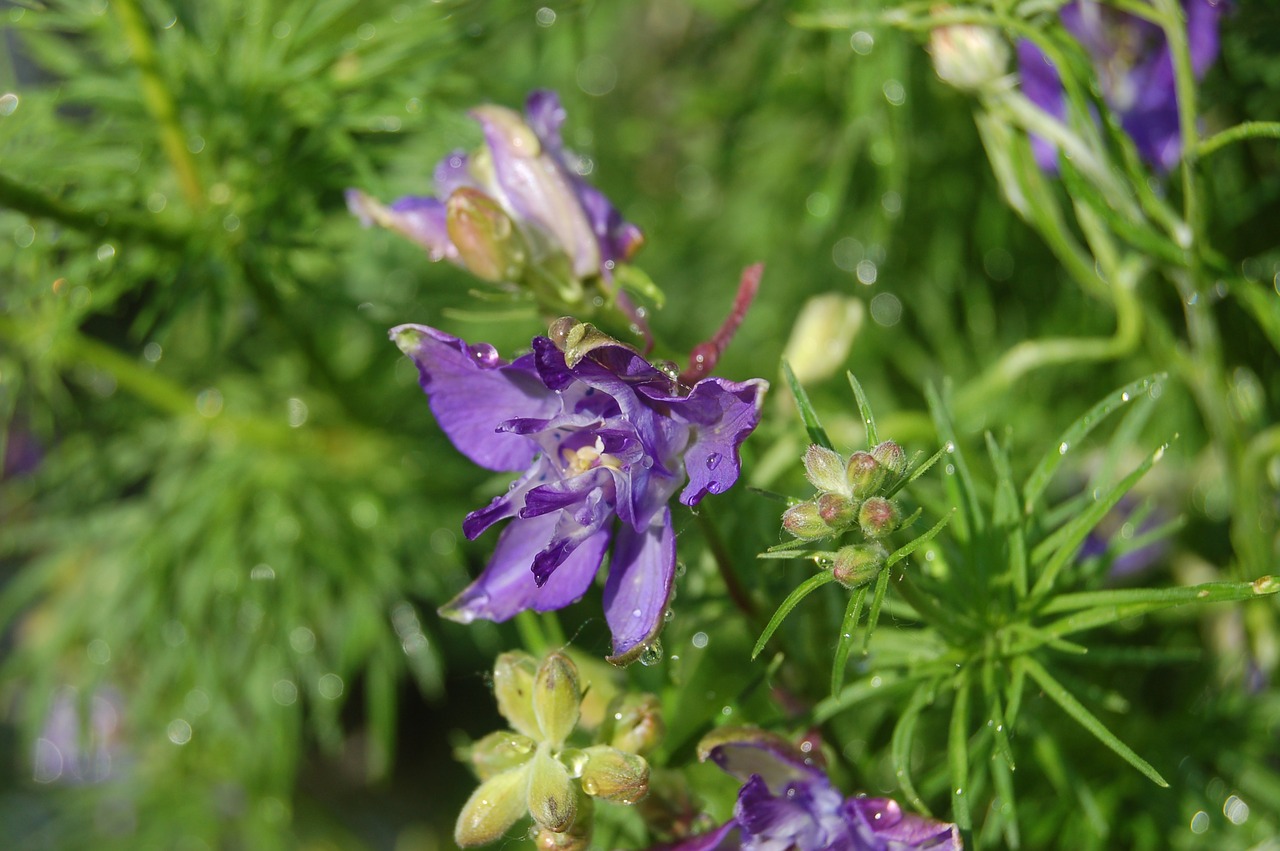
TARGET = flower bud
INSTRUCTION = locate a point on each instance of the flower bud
(499, 751)
(878, 517)
(837, 511)
(487, 242)
(858, 564)
(513, 688)
(552, 802)
(805, 522)
(822, 336)
(891, 456)
(967, 56)
(824, 468)
(493, 808)
(864, 474)
(613, 775)
(637, 726)
(556, 697)
(576, 837)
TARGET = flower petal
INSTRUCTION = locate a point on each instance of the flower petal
(783, 820)
(720, 839)
(574, 526)
(453, 172)
(747, 752)
(472, 391)
(902, 831)
(723, 413)
(639, 586)
(507, 587)
(421, 219)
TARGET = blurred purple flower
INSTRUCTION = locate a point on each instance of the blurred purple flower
(600, 433)
(22, 453)
(1115, 528)
(788, 803)
(1135, 72)
(71, 751)
(522, 177)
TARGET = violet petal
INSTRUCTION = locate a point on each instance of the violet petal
(639, 586)
(723, 414)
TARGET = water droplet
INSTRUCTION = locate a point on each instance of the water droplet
(590, 786)
(681, 570)
(713, 460)
(8, 103)
(668, 615)
(715, 487)
(179, 731)
(1063, 447)
(1124, 397)
(635, 613)
(485, 354)
(959, 792)
(651, 654)
(950, 447)
(700, 640)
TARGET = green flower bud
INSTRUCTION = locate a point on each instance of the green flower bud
(556, 697)
(577, 837)
(498, 752)
(968, 56)
(513, 688)
(636, 725)
(878, 517)
(491, 810)
(487, 242)
(578, 339)
(858, 564)
(891, 456)
(551, 798)
(613, 775)
(805, 522)
(824, 468)
(864, 474)
(837, 511)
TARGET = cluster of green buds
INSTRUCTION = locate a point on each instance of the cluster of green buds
(852, 494)
(533, 770)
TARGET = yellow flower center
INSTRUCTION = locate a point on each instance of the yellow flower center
(578, 461)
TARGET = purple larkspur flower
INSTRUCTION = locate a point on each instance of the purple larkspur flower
(521, 178)
(600, 436)
(787, 802)
(1135, 71)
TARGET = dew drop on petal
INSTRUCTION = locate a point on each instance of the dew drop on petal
(484, 354)
(713, 460)
(651, 654)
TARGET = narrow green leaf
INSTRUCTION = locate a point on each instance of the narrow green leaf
(915, 471)
(773, 495)
(793, 599)
(1208, 592)
(807, 414)
(864, 408)
(1008, 812)
(1043, 473)
(972, 517)
(1065, 542)
(1086, 719)
(995, 714)
(911, 546)
(1007, 517)
(904, 733)
(958, 760)
(852, 612)
(873, 616)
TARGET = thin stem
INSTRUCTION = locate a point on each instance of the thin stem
(1184, 82)
(724, 564)
(1239, 133)
(37, 204)
(159, 101)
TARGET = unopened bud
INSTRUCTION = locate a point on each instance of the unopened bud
(837, 511)
(491, 810)
(891, 456)
(968, 56)
(636, 725)
(822, 336)
(577, 837)
(497, 752)
(805, 522)
(488, 243)
(513, 688)
(858, 564)
(824, 468)
(878, 517)
(613, 775)
(864, 474)
(552, 801)
(556, 697)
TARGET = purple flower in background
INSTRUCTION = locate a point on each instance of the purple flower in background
(601, 434)
(1135, 71)
(514, 202)
(71, 750)
(788, 803)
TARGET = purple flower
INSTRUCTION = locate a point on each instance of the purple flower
(1135, 71)
(516, 200)
(600, 434)
(787, 803)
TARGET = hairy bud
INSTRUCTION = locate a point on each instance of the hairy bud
(858, 564)
(878, 517)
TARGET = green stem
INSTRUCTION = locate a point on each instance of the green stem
(36, 204)
(1184, 82)
(1239, 133)
(724, 564)
(159, 101)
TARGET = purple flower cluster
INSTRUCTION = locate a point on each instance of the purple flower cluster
(600, 434)
(788, 803)
(1135, 72)
(514, 201)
